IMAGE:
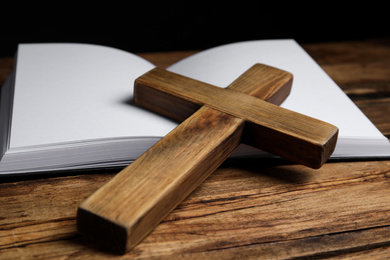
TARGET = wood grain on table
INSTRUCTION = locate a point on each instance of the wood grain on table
(246, 209)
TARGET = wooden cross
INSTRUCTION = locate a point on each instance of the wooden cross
(136, 200)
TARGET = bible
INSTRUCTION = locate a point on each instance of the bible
(69, 106)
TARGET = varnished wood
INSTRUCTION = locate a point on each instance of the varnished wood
(237, 213)
(131, 205)
(282, 132)
(179, 103)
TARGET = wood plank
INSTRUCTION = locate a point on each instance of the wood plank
(37, 214)
(247, 210)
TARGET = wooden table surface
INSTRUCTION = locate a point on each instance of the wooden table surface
(246, 209)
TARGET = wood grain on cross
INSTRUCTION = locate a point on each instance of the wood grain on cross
(135, 201)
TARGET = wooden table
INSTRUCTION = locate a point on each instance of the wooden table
(245, 209)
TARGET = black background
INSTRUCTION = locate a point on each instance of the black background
(189, 25)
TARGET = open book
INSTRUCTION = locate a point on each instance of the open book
(69, 106)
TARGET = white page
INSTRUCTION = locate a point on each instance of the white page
(313, 93)
(60, 108)
(73, 92)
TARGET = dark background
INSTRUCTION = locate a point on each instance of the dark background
(190, 25)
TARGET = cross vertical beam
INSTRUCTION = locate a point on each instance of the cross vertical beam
(136, 200)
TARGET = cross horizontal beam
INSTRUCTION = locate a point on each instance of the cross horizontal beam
(296, 137)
